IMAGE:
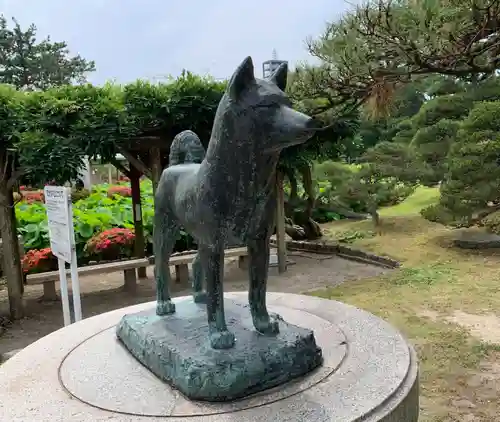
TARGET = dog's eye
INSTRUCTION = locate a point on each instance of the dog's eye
(267, 105)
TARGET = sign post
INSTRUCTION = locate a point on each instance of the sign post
(62, 242)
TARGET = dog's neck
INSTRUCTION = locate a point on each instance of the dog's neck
(230, 145)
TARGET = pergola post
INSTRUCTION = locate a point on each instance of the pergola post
(280, 223)
(156, 167)
(140, 244)
(134, 174)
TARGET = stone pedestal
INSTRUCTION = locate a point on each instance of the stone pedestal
(83, 373)
(176, 348)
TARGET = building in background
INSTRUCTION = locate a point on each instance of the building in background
(269, 66)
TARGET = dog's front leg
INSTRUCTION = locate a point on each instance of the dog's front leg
(212, 263)
(258, 251)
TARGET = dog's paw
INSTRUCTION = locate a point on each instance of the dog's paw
(166, 307)
(222, 339)
(200, 297)
(269, 325)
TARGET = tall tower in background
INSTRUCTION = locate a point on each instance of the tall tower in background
(269, 66)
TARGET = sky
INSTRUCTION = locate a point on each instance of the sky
(151, 39)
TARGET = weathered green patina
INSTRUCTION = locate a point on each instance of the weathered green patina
(176, 348)
(229, 198)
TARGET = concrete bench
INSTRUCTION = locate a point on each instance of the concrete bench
(129, 267)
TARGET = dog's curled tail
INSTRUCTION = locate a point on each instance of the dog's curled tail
(186, 148)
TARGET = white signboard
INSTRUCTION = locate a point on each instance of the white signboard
(57, 204)
(62, 243)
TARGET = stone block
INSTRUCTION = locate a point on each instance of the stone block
(477, 239)
(176, 348)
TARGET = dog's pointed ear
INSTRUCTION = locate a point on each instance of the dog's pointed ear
(280, 76)
(242, 78)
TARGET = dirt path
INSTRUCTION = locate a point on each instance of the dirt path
(104, 293)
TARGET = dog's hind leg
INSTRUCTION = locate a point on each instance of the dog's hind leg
(212, 262)
(165, 232)
(199, 296)
(258, 251)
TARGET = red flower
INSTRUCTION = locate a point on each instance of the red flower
(39, 260)
(119, 190)
(111, 244)
(33, 196)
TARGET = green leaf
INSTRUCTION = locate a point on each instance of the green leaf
(31, 228)
(85, 230)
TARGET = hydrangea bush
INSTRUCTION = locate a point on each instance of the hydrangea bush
(111, 244)
(33, 196)
(38, 261)
(124, 191)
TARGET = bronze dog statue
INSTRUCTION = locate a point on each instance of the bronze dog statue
(230, 197)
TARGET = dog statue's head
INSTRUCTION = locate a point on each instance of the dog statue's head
(261, 108)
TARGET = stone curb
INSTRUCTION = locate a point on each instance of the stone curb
(342, 251)
(477, 243)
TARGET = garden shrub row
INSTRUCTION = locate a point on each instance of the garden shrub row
(103, 224)
(46, 135)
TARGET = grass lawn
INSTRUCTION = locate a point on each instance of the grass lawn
(421, 198)
(446, 301)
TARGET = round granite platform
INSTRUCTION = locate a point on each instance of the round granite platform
(82, 373)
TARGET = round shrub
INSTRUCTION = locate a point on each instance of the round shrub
(125, 191)
(77, 194)
(111, 244)
(437, 213)
(39, 261)
(392, 192)
(454, 107)
(472, 177)
(361, 192)
(432, 143)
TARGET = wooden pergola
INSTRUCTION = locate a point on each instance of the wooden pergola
(148, 156)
